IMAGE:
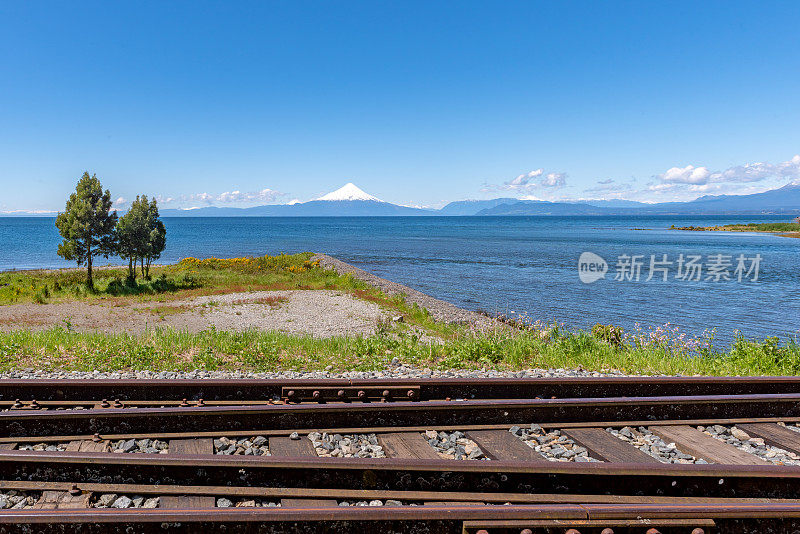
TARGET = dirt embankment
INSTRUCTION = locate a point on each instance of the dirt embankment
(323, 313)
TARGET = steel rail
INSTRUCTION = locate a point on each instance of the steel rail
(270, 432)
(496, 476)
(430, 388)
(728, 517)
(399, 464)
(730, 510)
(368, 495)
(396, 414)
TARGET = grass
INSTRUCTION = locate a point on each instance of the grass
(192, 277)
(167, 310)
(520, 346)
(166, 349)
(750, 227)
(189, 277)
(272, 302)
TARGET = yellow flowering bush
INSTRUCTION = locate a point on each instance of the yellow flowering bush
(297, 263)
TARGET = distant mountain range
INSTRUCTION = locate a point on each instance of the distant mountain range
(347, 201)
(351, 201)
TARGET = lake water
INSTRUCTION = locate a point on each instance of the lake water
(525, 265)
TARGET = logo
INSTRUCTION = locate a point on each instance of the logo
(591, 267)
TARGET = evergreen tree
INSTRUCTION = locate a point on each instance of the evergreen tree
(133, 234)
(142, 236)
(87, 225)
(157, 237)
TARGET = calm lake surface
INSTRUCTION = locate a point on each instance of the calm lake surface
(525, 265)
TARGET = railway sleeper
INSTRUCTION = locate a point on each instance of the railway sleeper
(776, 443)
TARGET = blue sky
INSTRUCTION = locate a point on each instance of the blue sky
(417, 103)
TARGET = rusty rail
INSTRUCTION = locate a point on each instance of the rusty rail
(711, 480)
(91, 390)
(396, 414)
(438, 496)
(652, 519)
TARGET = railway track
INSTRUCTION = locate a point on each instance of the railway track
(596, 455)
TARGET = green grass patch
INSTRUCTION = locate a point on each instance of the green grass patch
(189, 277)
(604, 348)
(750, 227)
(166, 349)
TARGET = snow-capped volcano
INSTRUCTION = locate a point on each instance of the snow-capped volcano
(349, 191)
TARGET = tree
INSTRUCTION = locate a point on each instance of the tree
(142, 236)
(87, 225)
(133, 234)
(157, 238)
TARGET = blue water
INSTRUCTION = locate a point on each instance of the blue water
(526, 265)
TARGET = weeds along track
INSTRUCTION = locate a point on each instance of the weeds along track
(452, 456)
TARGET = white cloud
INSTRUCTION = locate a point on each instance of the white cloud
(530, 181)
(202, 197)
(234, 197)
(554, 179)
(685, 183)
(120, 201)
(747, 173)
(523, 180)
(686, 175)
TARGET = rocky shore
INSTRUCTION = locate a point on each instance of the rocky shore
(440, 310)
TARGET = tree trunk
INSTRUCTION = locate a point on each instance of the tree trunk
(131, 269)
(147, 271)
(89, 281)
(142, 258)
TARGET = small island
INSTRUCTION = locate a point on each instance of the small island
(788, 229)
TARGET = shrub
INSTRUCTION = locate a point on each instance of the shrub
(116, 287)
(610, 334)
(41, 296)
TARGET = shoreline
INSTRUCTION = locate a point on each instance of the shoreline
(753, 228)
(440, 310)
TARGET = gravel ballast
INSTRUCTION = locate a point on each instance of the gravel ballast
(393, 371)
(552, 444)
(113, 500)
(753, 445)
(649, 443)
(224, 502)
(140, 446)
(48, 447)
(454, 445)
(347, 445)
(17, 500)
(376, 502)
(253, 446)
